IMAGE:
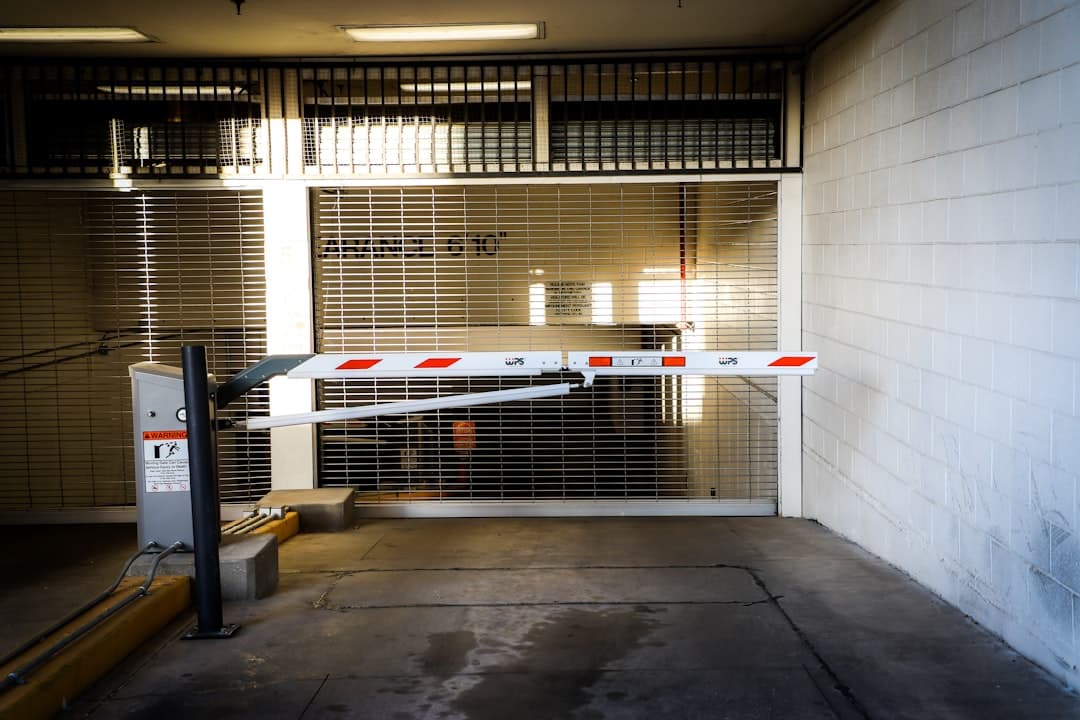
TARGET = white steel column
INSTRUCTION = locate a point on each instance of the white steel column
(789, 388)
(289, 328)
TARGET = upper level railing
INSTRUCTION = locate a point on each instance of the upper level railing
(125, 119)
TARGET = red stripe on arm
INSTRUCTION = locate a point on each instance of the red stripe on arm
(791, 361)
(358, 364)
(437, 363)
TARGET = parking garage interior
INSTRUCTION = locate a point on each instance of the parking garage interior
(886, 184)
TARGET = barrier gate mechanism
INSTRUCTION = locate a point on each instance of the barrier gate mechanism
(161, 442)
(162, 482)
(175, 425)
(473, 364)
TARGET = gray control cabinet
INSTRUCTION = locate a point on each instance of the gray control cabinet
(162, 479)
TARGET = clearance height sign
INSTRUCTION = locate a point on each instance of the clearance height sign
(165, 461)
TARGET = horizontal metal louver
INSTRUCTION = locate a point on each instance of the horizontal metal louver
(542, 267)
(408, 144)
(652, 143)
(417, 119)
(95, 282)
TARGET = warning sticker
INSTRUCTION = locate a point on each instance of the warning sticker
(165, 461)
(164, 435)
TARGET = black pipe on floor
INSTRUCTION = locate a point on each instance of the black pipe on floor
(18, 676)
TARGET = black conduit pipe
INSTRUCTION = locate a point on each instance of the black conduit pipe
(76, 613)
(18, 676)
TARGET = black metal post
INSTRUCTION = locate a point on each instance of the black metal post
(205, 509)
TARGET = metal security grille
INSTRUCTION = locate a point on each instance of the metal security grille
(94, 282)
(346, 118)
(543, 267)
(553, 117)
(664, 115)
(405, 119)
(121, 119)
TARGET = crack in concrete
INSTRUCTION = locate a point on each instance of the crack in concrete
(314, 695)
(839, 685)
(323, 601)
(555, 603)
(519, 568)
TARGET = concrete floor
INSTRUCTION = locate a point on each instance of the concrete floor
(582, 618)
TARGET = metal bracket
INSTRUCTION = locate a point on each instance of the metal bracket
(222, 633)
(250, 378)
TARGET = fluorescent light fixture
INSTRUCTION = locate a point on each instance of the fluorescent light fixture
(659, 270)
(72, 34)
(464, 87)
(445, 33)
(173, 90)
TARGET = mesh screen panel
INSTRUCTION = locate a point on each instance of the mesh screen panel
(94, 282)
(543, 267)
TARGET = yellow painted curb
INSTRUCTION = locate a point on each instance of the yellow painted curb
(51, 687)
(284, 528)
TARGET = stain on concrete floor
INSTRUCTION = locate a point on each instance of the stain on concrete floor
(560, 660)
(447, 654)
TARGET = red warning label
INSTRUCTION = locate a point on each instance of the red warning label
(164, 435)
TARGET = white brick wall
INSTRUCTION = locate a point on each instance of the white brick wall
(942, 289)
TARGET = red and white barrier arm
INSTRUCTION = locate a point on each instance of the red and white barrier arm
(647, 362)
(478, 364)
(431, 364)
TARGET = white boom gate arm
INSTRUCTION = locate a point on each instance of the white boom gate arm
(525, 363)
(408, 406)
(644, 362)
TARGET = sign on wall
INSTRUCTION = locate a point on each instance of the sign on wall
(568, 299)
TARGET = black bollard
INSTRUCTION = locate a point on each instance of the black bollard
(205, 510)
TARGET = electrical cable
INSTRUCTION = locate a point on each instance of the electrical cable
(18, 676)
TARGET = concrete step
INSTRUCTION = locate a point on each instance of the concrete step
(249, 566)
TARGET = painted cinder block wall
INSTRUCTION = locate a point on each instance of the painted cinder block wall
(942, 289)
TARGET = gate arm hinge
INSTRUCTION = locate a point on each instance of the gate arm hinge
(246, 380)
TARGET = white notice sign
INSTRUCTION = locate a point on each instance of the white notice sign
(165, 461)
(568, 299)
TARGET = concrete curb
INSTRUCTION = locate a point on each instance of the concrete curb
(49, 689)
(284, 528)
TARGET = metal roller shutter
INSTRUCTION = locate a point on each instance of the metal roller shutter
(572, 267)
(94, 282)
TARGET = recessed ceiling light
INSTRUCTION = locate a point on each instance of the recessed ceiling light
(463, 87)
(435, 33)
(71, 34)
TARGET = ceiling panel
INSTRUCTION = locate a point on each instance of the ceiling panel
(291, 28)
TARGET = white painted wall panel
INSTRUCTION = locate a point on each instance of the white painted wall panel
(941, 271)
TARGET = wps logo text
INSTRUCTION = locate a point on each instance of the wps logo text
(728, 361)
(514, 361)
